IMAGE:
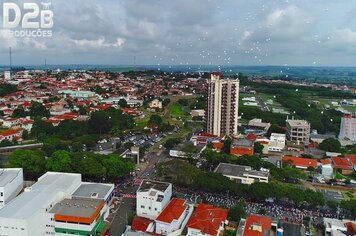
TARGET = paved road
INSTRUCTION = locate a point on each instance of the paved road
(126, 209)
(262, 103)
(127, 206)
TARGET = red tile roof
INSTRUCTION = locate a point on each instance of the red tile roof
(351, 228)
(207, 219)
(264, 221)
(218, 145)
(301, 162)
(342, 163)
(251, 136)
(173, 210)
(140, 223)
(10, 132)
(325, 161)
(352, 158)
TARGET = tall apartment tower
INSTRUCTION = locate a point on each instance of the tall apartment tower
(222, 105)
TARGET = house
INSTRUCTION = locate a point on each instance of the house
(343, 165)
(10, 122)
(141, 224)
(27, 124)
(242, 147)
(207, 220)
(152, 198)
(11, 134)
(174, 217)
(277, 142)
(204, 138)
(242, 174)
(255, 225)
(156, 104)
(326, 168)
(300, 163)
(258, 124)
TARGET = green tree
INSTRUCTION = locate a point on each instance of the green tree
(330, 145)
(122, 103)
(41, 128)
(5, 143)
(237, 211)
(190, 148)
(227, 145)
(274, 129)
(258, 147)
(32, 161)
(116, 167)
(38, 110)
(60, 161)
(100, 122)
(170, 143)
(155, 119)
(19, 112)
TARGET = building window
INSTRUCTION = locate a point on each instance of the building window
(142, 206)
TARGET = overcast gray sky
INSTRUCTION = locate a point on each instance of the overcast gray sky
(219, 32)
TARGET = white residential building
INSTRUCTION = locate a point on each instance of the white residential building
(11, 184)
(174, 217)
(257, 123)
(152, 197)
(277, 142)
(207, 220)
(242, 174)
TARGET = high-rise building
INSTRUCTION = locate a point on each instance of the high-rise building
(222, 105)
(7, 75)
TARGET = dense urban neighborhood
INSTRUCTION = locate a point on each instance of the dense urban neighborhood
(149, 152)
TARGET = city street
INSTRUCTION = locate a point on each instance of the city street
(127, 207)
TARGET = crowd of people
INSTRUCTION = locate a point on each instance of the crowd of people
(288, 213)
(284, 211)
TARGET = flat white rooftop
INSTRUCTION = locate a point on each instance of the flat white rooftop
(297, 123)
(42, 193)
(8, 175)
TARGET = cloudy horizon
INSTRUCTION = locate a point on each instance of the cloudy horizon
(199, 32)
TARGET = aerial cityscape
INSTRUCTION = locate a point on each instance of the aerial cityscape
(197, 118)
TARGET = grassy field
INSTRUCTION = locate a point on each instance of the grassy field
(177, 110)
